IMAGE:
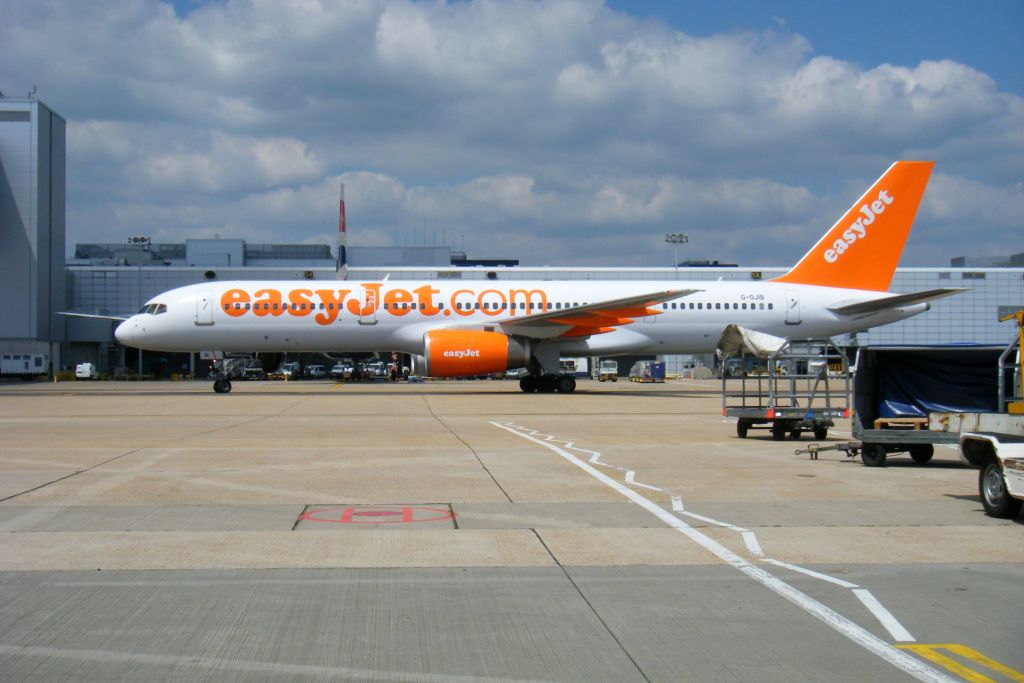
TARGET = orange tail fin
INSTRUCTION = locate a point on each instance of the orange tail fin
(862, 249)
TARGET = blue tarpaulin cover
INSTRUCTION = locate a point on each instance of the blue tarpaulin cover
(915, 383)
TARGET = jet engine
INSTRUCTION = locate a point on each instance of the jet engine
(463, 353)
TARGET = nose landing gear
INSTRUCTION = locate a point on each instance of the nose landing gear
(222, 386)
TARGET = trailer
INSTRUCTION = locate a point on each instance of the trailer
(906, 398)
(645, 371)
(24, 365)
(804, 385)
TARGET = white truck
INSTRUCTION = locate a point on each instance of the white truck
(608, 371)
(994, 442)
(86, 371)
(995, 445)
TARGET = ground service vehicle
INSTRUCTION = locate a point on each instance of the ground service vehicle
(86, 371)
(793, 393)
(341, 371)
(24, 365)
(608, 371)
(474, 328)
(994, 443)
(911, 398)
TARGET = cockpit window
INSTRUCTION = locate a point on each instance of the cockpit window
(153, 309)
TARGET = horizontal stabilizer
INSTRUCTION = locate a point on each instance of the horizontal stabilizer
(895, 301)
(96, 316)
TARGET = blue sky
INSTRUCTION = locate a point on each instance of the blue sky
(985, 34)
(566, 133)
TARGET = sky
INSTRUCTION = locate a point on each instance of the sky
(573, 133)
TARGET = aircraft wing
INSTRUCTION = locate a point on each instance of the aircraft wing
(593, 318)
(895, 301)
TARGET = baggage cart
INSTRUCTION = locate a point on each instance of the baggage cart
(803, 386)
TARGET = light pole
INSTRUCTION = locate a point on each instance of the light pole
(675, 239)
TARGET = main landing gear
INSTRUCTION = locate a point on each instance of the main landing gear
(546, 384)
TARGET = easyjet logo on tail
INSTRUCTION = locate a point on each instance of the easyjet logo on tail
(836, 260)
(859, 229)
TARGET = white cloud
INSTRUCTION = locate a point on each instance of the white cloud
(540, 130)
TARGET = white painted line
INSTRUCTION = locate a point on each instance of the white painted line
(715, 522)
(677, 504)
(894, 627)
(827, 615)
(631, 479)
(750, 538)
(809, 572)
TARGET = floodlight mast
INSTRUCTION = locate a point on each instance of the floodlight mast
(675, 239)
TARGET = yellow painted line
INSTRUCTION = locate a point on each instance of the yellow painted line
(931, 653)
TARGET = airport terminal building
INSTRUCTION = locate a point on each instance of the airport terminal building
(119, 279)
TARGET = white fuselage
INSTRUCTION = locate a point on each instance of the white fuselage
(350, 316)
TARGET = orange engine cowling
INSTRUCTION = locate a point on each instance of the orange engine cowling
(459, 353)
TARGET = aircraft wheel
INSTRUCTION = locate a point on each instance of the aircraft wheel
(547, 384)
(566, 384)
(222, 386)
(528, 384)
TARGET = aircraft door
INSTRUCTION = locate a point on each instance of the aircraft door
(368, 311)
(792, 307)
(204, 308)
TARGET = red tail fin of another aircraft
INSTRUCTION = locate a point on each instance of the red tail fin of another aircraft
(862, 249)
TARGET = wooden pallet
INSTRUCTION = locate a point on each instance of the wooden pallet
(913, 423)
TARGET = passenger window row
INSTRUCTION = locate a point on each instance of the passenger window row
(719, 306)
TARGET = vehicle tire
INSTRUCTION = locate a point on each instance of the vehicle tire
(795, 434)
(778, 431)
(565, 384)
(820, 432)
(528, 384)
(741, 428)
(921, 452)
(994, 496)
(547, 384)
(222, 386)
(873, 455)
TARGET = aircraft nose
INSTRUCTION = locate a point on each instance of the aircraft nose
(127, 332)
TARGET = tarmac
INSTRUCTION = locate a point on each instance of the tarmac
(464, 531)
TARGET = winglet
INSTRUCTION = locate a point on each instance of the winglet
(862, 249)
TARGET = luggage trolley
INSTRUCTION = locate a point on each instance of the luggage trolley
(803, 386)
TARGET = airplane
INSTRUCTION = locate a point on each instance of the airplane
(456, 329)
